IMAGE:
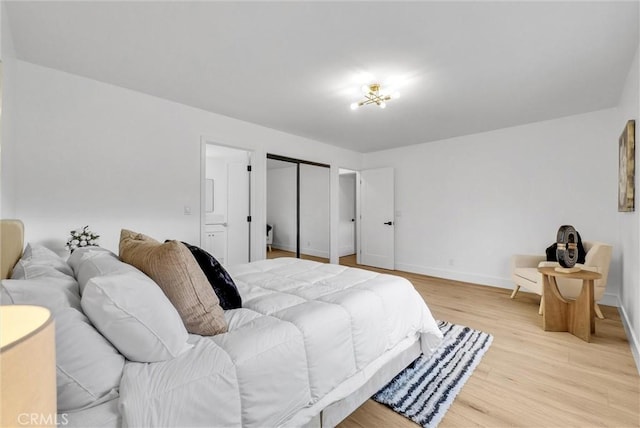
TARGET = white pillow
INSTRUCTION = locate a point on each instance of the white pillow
(39, 252)
(53, 292)
(88, 368)
(93, 262)
(30, 269)
(135, 315)
(84, 253)
(35, 256)
(5, 297)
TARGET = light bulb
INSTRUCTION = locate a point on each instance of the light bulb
(354, 106)
(365, 89)
(383, 104)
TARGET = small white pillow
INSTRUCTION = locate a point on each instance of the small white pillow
(92, 262)
(53, 292)
(36, 257)
(134, 314)
(40, 252)
(88, 368)
(5, 297)
(84, 253)
(30, 269)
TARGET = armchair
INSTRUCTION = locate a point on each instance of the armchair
(524, 273)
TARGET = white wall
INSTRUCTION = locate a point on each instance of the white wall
(97, 154)
(7, 141)
(314, 210)
(629, 222)
(281, 206)
(467, 204)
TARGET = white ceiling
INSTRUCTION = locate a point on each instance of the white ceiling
(461, 67)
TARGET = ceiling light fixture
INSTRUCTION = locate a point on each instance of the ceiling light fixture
(372, 95)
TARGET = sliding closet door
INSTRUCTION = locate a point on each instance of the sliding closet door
(298, 205)
(282, 204)
(314, 210)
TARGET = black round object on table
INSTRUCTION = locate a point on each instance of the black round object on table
(567, 251)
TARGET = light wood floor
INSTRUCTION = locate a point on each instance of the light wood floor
(529, 377)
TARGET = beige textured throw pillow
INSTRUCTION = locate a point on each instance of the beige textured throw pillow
(172, 266)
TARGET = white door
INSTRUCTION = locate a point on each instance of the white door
(237, 213)
(377, 218)
(347, 217)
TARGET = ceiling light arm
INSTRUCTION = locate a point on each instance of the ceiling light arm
(372, 96)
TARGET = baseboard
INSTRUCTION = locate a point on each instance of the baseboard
(486, 280)
(609, 299)
(306, 251)
(346, 251)
(632, 337)
(490, 281)
(279, 246)
(314, 252)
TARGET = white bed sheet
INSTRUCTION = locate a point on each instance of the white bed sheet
(308, 335)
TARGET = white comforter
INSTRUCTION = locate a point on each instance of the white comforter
(306, 331)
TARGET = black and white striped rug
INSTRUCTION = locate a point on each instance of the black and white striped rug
(424, 391)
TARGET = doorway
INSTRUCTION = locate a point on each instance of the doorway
(226, 213)
(347, 217)
(298, 194)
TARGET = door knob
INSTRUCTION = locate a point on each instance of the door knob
(388, 223)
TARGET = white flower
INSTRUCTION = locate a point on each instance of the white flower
(82, 237)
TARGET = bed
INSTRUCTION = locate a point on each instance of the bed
(309, 345)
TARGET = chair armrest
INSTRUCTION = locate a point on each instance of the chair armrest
(548, 264)
(526, 260)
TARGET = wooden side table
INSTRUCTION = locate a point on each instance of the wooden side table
(575, 316)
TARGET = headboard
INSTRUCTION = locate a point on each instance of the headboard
(11, 245)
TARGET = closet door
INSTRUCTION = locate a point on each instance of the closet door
(282, 203)
(298, 205)
(314, 210)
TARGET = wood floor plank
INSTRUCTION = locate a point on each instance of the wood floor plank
(529, 377)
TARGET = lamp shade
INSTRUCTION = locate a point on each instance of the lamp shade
(27, 366)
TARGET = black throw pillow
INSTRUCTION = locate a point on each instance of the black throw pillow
(582, 254)
(218, 277)
(551, 251)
